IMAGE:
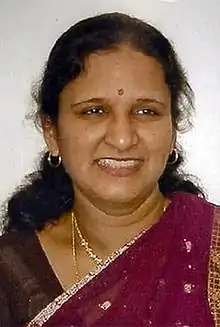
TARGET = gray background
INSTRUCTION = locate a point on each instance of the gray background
(29, 28)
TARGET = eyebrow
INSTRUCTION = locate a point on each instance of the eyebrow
(101, 100)
(151, 100)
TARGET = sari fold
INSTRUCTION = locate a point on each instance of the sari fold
(160, 279)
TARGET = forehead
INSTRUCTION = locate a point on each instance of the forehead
(125, 68)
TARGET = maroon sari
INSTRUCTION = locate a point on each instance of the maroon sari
(162, 279)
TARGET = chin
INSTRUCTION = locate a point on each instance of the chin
(118, 195)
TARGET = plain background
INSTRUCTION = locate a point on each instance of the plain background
(30, 27)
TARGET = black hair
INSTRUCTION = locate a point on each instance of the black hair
(48, 193)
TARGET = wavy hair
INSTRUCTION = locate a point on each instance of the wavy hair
(47, 193)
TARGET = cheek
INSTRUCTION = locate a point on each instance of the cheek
(73, 155)
(71, 145)
(77, 144)
(158, 140)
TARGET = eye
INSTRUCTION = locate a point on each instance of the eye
(94, 111)
(146, 111)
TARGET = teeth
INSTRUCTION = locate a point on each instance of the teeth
(117, 164)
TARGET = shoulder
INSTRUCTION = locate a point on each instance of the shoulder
(8, 241)
(12, 239)
(16, 279)
(193, 205)
(14, 247)
(194, 216)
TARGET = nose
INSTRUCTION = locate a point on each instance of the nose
(121, 133)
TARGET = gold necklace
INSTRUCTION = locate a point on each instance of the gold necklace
(85, 245)
(74, 250)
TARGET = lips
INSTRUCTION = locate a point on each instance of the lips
(118, 163)
(119, 167)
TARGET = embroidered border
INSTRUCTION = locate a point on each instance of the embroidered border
(45, 314)
(214, 269)
(55, 305)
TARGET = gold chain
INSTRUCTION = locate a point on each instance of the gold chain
(74, 250)
(85, 245)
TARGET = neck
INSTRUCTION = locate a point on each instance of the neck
(106, 232)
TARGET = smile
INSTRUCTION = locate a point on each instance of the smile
(118, 163)
(119, 167)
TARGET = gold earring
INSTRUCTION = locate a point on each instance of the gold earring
(54, 161)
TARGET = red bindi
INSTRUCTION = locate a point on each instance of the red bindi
(120, 92)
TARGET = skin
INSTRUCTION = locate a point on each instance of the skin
(137, 124)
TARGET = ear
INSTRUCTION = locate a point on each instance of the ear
(50, 135)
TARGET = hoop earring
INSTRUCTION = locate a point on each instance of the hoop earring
(51, 160)
(175, 157)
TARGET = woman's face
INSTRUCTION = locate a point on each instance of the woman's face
(114, 128)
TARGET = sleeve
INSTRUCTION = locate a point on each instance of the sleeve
(6, 305)
(6, 314)
(6, 319)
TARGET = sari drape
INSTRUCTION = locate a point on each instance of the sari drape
(159, 280)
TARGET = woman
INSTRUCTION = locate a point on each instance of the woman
(108, 232)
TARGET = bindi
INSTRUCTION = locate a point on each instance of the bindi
(120, 92)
